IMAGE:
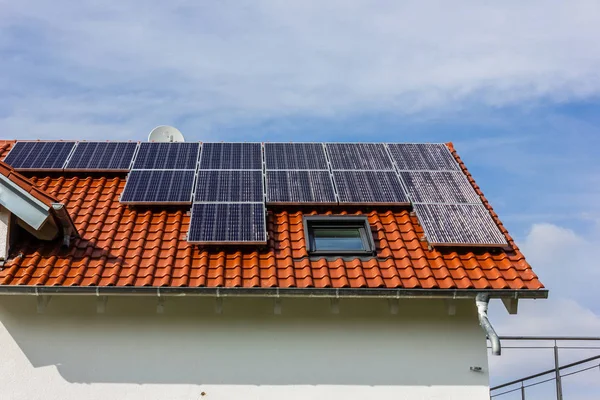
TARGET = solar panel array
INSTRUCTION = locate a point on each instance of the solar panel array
(102, 156)
(446, 204)
(230, 183)
(158, 187)
(298, 173)
(229, 200)
(300, 187)
(39, 155)
(459, 224)
(162, 173)
(363, 173)
(152, 155)
(231, 156)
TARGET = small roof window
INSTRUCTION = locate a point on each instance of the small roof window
(338, 235)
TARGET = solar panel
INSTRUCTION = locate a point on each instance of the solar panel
(153, 155)
(227, 186)
(231, 156)
(158, 186)
(39, 155)
(227, 223)
(439, 187)
(459, 224)
(102, 156)
(426, 156)
(369, 187)
(300, 187)
(359, 156)
(295, 156)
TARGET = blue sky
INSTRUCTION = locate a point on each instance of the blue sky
(515, 85)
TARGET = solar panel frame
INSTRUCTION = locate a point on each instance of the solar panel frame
(142, 187)
(220, 223)
(85, 154)
(301, 186)
(359, 157)
(459, 225)
(367, 187)
(422, 157)
(229, 186)
(167, 156)
(449, 187)
(231, 156)
(295, 156)
(44, 155)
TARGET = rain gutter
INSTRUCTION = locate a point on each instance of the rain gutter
(270, 292)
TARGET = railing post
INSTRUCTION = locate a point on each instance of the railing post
(522, 391)
(557, 374)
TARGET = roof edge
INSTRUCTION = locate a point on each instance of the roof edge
(271, 292)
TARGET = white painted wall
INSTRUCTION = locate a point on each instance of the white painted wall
(131, 352)
(4, 224)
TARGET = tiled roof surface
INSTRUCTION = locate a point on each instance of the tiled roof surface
(125, 246)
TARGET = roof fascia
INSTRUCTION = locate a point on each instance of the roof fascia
(19, 202)
(271, 292)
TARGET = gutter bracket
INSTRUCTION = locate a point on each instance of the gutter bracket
(482, 301)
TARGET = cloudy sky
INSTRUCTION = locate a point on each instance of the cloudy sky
(515, 85)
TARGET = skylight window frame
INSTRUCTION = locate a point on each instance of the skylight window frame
(342, 222)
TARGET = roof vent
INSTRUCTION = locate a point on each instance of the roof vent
(165, 133)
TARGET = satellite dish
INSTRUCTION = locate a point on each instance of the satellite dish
(165, 133)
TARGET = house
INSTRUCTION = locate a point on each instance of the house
(248, 271)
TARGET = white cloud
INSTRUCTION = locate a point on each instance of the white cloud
(214, 63)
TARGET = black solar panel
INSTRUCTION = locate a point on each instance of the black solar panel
(227, 186)
(359, 156)
(102, 156)
(300, 187)
(158, 186)
(369, 187)
(231, 156)
(39, 155)
(152, 155)
(295, 156)
(459, 224)
(426, 156)
(227, 223)
(439, 187)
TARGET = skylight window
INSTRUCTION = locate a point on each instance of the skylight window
(338, 235)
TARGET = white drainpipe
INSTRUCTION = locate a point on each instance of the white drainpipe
(482, 301)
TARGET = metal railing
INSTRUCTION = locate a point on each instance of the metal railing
(557, 367)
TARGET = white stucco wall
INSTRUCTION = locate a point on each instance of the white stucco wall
(247, 352)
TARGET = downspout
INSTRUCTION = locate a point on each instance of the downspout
(482, 301)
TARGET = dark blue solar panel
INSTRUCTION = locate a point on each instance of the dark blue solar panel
(359, 156)
(295, 156)
(152, 155)
(425, 156)
(102, 156)
(227, 223)
(300, 187)
(356, 187)
(459, 224)
(231, 156)
(158, 187)
(227, 186)
(39, 155)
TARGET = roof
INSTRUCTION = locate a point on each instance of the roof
(124, 246)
